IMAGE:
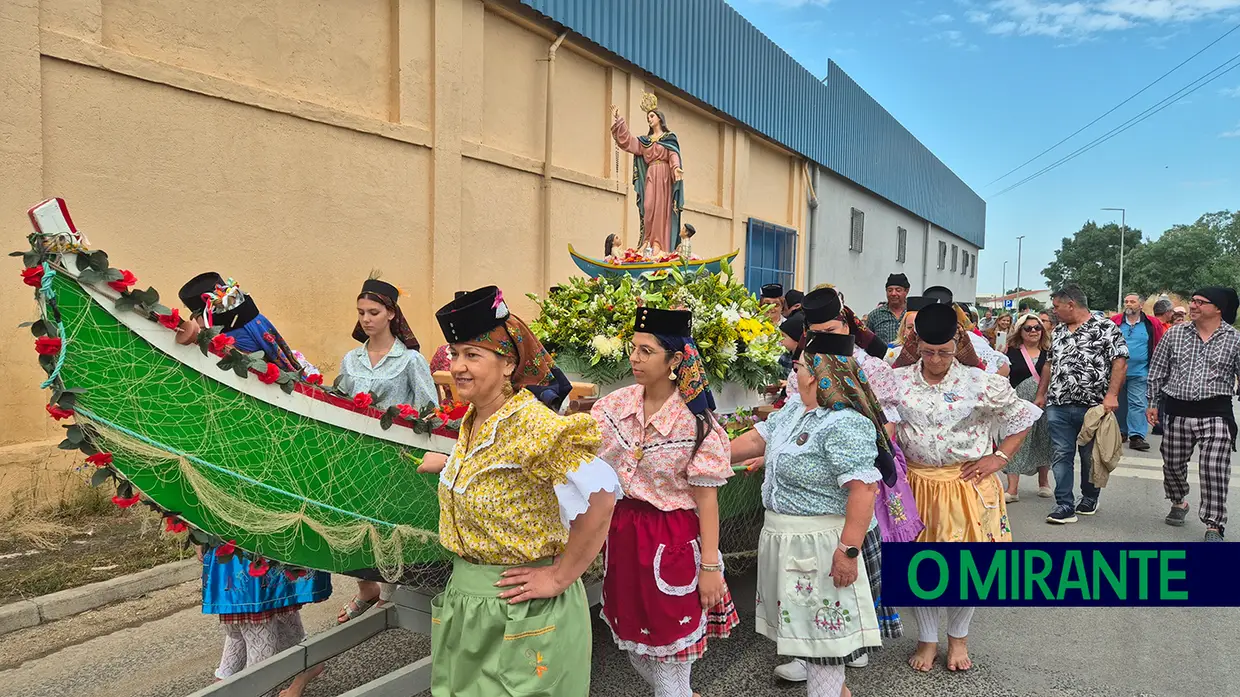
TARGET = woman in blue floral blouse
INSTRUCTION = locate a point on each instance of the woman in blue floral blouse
(822, 459)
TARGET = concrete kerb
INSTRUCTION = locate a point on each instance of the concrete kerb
(72, 601)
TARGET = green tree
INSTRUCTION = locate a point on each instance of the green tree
(1188, 257)
(1031, 305)
(1090, 260)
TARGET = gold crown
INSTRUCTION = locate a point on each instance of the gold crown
(649, 102)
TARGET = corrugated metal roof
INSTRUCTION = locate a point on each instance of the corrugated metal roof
(706, 49)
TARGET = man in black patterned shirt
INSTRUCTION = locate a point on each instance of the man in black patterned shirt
(1086, 367)
(1193, 374)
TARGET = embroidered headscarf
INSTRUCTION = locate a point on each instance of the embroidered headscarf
(964, 346)
(841, 384)
(388, 296)
(481, 318)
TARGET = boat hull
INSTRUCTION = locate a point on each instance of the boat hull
(595, 268)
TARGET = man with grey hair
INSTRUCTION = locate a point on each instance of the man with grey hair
(1142, 334)
(1085, 368)
(1164, 310)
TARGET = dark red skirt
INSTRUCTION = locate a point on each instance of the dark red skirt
(650, 585)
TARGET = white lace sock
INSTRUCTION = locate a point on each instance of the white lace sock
(233, 659)
(824, 681)
(261, 641)
(289, 630)
(667, 679)
(958, 619)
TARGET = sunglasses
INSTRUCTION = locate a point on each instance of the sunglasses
(1032, 330)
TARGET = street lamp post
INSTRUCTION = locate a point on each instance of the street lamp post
(1003, 293)
(1123, 228)
(1019, 243)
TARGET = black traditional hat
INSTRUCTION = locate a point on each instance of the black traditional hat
(227, 320)
(794, 326)
(830, 344)
(1225, 299)
(773, 291)
(473, 314)
(897, 279)
(667, 322)
(387, 290)
(936, 324)
(939, 294)
(915, 303)
(794, 297)
(191, 293)
(821, 305)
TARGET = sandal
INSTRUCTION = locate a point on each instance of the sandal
(1177, 515)
(356, 608)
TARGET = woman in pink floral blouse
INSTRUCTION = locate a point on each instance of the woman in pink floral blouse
(663, 587)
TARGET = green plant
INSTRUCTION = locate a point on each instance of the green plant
(588, 324)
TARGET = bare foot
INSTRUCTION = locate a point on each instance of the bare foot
(845, 692)
(924, 657)
(958, 654)
(301, 681)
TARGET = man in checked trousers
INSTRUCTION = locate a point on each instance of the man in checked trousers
(1193, 373)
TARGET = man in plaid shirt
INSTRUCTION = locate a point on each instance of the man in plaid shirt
(1193, 374)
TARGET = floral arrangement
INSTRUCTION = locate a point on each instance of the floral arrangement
(588, 323)
(637, 256)
(739, 423)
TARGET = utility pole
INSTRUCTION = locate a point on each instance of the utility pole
(1123, 229)
(1003, 290)
(1019, 243)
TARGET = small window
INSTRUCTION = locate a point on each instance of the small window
(973, 270)
(857, 238)
(901, 243)
(955, 253)
(770, 255)
(942, 255)
(964, 269)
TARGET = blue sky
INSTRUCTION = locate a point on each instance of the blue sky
(988, 84)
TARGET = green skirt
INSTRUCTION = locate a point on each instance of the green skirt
(484, 647)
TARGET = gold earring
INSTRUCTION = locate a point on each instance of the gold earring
(672, 377)
(506, 389)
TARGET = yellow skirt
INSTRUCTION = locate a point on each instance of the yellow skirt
(955, 510)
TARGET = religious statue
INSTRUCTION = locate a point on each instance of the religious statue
(657, 176)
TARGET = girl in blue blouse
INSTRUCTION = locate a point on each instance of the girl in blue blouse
(822, 457)
(388, 364)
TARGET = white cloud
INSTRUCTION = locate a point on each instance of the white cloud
(1082, 18)
(1230, 91)
(941, 19)
(1234, 133)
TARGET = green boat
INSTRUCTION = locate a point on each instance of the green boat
(274, 466)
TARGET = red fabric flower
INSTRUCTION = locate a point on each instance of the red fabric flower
(100, 459)
(57, 413)
(47, 346)
(269, 337)
(220, 343)
(272, 374)
(171, 321)
(124, 503)
(294, 574)
(457, 411)
(259, 567)
(33, 276)
(127, 281)
(174, 526)
(226, 550)
(361, 400)
(407, 412)
(315, 379)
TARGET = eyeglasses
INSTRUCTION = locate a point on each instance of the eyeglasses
(1195, 301)
(935, 354)
(641, 354)
(1032, 330)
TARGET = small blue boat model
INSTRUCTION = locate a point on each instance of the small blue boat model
(596, 268)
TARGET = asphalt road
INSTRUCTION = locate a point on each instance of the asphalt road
(151, 648)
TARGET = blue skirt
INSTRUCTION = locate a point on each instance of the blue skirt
(228, 588)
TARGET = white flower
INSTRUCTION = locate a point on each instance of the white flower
(728, 352)
(606, 346)
(730, 314)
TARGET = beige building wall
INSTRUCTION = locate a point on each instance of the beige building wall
(298, 146)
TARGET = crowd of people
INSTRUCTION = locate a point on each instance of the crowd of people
(914, 424)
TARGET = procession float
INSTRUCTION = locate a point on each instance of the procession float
(245, 458)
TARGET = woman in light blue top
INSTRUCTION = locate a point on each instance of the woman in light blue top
(388, 362)
(389, 365)
(822, 457)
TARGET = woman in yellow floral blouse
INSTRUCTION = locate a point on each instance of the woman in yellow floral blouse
(525, 505)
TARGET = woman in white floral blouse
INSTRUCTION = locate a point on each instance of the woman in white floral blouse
(949, 415)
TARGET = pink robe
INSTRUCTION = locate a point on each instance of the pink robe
(660, 163)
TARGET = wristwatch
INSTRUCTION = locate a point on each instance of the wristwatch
(850, 552)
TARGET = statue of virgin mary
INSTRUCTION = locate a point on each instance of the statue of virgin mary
(657, 176)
